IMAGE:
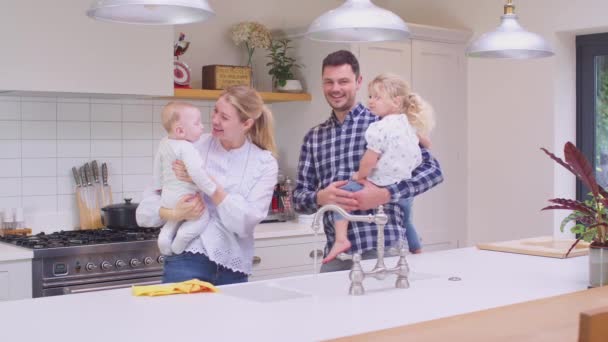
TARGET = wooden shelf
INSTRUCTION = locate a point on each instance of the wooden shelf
(204, 94)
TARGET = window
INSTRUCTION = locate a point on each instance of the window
(592, 104)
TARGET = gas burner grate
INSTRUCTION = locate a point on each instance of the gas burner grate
(67, 238)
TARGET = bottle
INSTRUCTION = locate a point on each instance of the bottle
(288, 200)
(9, 219)
(19, 219)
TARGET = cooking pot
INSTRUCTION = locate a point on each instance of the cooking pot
(120, 215)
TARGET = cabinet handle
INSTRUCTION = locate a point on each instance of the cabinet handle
(316, 251)
(256, 260)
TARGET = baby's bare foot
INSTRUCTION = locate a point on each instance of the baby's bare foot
(338, 247)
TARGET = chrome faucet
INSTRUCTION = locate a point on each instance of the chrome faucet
(380, 271)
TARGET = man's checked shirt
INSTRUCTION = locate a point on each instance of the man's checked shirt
(331, 152)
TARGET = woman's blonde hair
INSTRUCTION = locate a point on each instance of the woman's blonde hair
(419, 112)
(249, 105)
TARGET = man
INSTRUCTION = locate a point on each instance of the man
(331, 153)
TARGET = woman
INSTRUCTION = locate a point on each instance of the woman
(239, 156)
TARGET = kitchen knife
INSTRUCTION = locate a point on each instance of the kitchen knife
(97, 186)
(106, 192)
(95, 211)
(79, 200)
(85, 217)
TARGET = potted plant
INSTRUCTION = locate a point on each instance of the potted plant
(282, 67)
(590, 217)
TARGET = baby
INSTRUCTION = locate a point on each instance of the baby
(393, 150)
(182, 122)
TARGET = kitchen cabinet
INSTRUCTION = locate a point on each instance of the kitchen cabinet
(15, 279)
(287, 256)
(52, 46)
(434, 64)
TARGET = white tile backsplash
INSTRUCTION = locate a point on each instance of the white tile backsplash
(39, 148)
(10, 110)
(10, 149)
(73, 130)
(106, 112)
(106, 148)
(39, 167)
(73, 148)
(10, 186)
(10, 168)
(10, 130)
(39, 186)
(39, 130)
(42, 138)
(106, 130)
(38, 111)
(136, 130)
(74, 111)
(137, 113)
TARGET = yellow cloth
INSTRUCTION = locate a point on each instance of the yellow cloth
(189, 286)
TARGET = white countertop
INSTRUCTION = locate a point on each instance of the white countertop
(13, 253)
(303, 308)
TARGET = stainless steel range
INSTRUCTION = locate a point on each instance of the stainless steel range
(92, 260)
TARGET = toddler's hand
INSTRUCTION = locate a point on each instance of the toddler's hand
(179, 168)
(355, 176)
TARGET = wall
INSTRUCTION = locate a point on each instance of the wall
(41, 138)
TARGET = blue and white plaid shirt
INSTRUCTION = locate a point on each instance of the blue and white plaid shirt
(331, 152)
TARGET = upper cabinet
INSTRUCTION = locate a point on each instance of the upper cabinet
(52, 46)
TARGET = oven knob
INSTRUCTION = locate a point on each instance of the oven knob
(148, 261)
(106, 266)
(120, 264)
(135, 262)
(161, 259)
(90, 266)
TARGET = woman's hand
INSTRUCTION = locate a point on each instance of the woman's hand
(179, 168)
(189, 207)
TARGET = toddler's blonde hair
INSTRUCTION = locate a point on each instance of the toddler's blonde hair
(419, 112)
(171, 113)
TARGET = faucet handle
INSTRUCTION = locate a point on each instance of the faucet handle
(344, 257)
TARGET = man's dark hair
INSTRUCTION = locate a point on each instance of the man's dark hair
(342, 57)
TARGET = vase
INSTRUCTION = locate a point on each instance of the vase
(291, 86)
(598, 266)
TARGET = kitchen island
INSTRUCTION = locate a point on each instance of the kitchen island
(303, 308)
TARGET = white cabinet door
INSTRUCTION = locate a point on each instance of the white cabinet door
(378, 58)
(15, 279)
(52, 46)
(439, 76)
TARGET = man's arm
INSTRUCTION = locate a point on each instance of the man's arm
(424, 177)
(307, 197)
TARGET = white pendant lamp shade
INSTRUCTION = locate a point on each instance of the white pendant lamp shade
(358, 21)
(151, 12)
(510, 40)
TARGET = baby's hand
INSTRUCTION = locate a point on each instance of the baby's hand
(355, 176)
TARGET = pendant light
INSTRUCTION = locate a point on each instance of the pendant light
(151, 12)
(510, 40)
(358, 21)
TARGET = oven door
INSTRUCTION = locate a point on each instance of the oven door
(111, 285)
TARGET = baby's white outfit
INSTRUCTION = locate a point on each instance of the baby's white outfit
(397, 143)
(172, 240)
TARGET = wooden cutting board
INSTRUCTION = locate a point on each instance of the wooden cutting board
(546, 246)
(554, 319)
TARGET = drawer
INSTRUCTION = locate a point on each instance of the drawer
(287, 255)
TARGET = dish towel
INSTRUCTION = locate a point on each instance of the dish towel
(189, 286)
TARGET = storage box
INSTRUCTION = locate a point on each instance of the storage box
(218, 77)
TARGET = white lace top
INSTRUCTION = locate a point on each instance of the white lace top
(395, 140)
(248, 175)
